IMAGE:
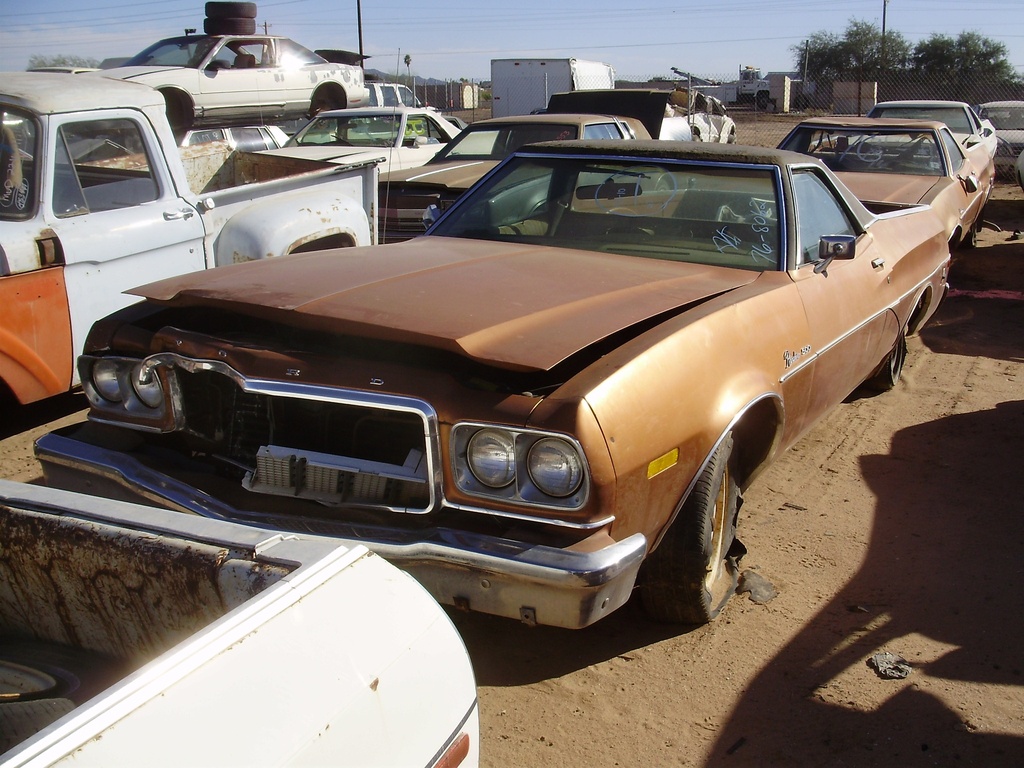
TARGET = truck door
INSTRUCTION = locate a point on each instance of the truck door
(113, 216)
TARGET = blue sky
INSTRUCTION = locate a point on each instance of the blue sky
(707, 38)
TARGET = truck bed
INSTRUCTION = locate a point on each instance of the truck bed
(132, 635)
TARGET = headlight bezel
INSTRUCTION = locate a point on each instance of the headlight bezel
(143, 391)
(523, 487)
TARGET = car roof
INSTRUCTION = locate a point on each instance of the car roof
(574, 118)
(700, 151)
(921, 103)
(873, 122)
(357, 111)
(56, 93)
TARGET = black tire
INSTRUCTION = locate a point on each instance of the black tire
(692, 574)
(230, 10)
(231, 26)
(889, 374)
(971, 240)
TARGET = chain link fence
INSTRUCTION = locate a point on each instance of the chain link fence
(764, 105)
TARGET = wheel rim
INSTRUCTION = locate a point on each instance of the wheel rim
(716, 564)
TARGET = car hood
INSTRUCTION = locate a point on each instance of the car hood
(519, 307)
(331, 154)
(890, 187)
(450, 174)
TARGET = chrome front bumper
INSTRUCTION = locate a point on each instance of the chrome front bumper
(487, 574)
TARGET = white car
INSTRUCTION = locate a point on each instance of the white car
(247, 138)
(406, 137)
(214, 80)
(969, 129)
(1008, 119)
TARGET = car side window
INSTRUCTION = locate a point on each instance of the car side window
(101, 165)
(17, 174)
(601, 131)
(818, 214)
(957, 158)
(433, 132)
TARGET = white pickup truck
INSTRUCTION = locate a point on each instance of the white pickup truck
(96, 197)
(135, 636)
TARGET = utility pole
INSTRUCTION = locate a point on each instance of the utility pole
(885, 4)
(359, 26)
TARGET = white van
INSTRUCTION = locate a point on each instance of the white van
(391, 95)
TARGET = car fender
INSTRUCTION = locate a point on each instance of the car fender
(279, 226)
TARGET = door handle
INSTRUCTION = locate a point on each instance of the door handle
(877, 263)
(185, 213)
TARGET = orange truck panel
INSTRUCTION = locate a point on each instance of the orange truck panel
(35, 334)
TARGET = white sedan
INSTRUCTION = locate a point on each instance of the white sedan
(406, 137)
(970, 129)
(210, 80)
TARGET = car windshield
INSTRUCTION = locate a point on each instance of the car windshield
(954, 117)
(498, 142)
(349, 131)
(1006, 118)
(864, 151)
(650, 208)
(188, 51)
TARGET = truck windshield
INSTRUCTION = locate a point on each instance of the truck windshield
(651, 208)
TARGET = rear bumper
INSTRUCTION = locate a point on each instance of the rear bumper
(487, 574)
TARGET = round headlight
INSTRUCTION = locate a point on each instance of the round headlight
(492, 457)
(147, 385)
(104, 379)
(555, 467)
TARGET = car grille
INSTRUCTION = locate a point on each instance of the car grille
(330, 446)
(401, 212)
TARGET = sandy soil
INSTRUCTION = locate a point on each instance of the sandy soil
(894, 526)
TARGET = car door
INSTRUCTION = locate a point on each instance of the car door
(422, 138)
(237, 82)
(964, 164)
(115, 219)
(851, 323)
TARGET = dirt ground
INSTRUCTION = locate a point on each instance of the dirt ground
(895, 526)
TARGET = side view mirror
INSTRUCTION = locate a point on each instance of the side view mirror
(832, 247)
(432, 214)
(971, 183)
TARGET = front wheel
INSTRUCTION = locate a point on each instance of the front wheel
(692, 574)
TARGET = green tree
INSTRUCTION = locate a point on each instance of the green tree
(859, 54)
(967, 58)
(35, 60)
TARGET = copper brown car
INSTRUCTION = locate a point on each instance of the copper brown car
(890, 160)
(554, 398)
